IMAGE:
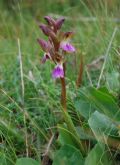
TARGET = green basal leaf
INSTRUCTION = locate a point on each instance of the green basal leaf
(103, 125)
(97, 156)
(84, 107)
(65, 136)
(68, 155)
(73, 132)
(27, 161)
(83, 133)
(100, 100)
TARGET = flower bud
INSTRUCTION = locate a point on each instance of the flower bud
(59, 23)
(45, 29)
(50, 20)
(43, 44)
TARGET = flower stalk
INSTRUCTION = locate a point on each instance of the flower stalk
(63, 94)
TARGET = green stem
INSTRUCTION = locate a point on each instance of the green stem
(72, 129)
(67, 118)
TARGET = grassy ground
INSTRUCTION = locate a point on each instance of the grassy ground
(29, 98)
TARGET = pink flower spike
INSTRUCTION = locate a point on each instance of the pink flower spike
(66, 46)
(58, 71)
(46, 57)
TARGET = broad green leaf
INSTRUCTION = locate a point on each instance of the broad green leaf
(105, 90)
(65, 136)
(103, 125)
(83, 133)
(68, 155)
(27, 161)
(97, 156)
(103, 102)
(83, 103)
(83, 107)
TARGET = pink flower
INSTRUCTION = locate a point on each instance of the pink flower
(58, 71)
(66, 46)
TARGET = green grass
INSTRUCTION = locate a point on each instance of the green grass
(40, 105)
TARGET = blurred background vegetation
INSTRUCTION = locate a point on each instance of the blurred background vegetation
(93, 22)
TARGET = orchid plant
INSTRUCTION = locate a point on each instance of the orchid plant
(55, 49)
(97, 137)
